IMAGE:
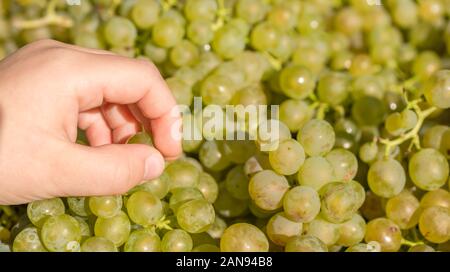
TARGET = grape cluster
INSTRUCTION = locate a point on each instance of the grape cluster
(362, 157)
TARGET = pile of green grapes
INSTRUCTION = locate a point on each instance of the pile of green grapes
(362, 163)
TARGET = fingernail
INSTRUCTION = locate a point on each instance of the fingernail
(154, 166)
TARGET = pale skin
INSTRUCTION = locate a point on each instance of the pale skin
(47, 90)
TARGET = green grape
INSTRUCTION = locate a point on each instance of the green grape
(217, 90)
(253, 94)
(243, 237)
(421, 248)
(433, 136)
(200, 32)
(281, 16)
(208, 187)
(78, 205)
(431, 11)
(437, 89)
(184, 53)
(348, 21)
(360, 192)
(327, 232)
(236, 183)
(167, 32)
(352, 232)
(241, 25)
(105, 206)
(409, 118)
(428, 169)
(405, 13)
(361, 65)
(401, 209)
(309, 20)
(372, 246)
(305, 243)
(394, 124)
(264, 36)
(280, 229)
(143, 240)
(182, 174)
(239, 150)
(439, 197)
(89, 40)
(206, 248)
(228, 42)
(333, 88)
(342, 60)
(182, 195)
(116, 228)
(368, 111)
(188, 74)
(181, 91)
(315, 172)
(254, 65)
(386, 178)
(385, 232)
(267, 189)
(175, 16)
(140, 138)
(434, 224)
(28, 241)
(144, 208)
(288, 158)
(426, 64)
(367, 85)
(217, 228)
(156, 54)
(251, 11)
(159, 187)
(295, 114)
(270, 134)
(200, 9)
(84, 227)
(120, 32)
(212, 157)
(368, 152)
(317, 137)
(195, 216)
(228, 206)
(345, 164)
(145, 13)
(445, 144)
(301, 204)
(40, 210)
(61, 233)
(176, 240)
(284, 48)
(338, 202)
(233, 71)
(297, 82)
(98, 244)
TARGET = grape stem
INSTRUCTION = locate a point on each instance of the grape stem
(411, 243)
(274, 62)
(162, 223)
(413, 133)
(50, 18)
(322, 107)
(168, 4)
(222, 15)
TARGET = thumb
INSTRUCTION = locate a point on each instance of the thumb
(109, 169)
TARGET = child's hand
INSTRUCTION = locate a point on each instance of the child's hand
(47, 89)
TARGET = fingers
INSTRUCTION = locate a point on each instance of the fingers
(121, 121)
(97, 130)
(120, 80)
(109, 169)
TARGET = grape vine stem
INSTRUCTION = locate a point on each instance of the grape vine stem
(413, 133)
(50, 18)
